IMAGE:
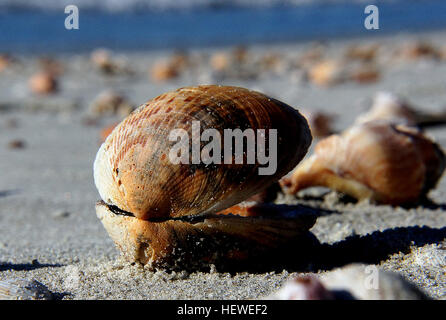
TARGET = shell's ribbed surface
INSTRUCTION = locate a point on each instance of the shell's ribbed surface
(132, 168)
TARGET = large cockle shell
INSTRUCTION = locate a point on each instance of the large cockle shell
(157, 211)
(375, 160)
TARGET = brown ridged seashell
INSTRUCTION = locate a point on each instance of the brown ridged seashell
(160, 213)
(376, 160)
(43, 83)
(106, 131)
(418, 49)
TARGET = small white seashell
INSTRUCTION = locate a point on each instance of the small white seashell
(23, 289)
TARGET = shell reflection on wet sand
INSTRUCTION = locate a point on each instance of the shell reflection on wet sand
(166, 215)
(375, 160)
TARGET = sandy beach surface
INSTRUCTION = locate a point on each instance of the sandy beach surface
(48, 227)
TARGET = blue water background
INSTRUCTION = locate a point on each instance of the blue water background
(43, 31)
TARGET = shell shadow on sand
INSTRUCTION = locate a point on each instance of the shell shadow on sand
(22, 289)
(372, 248)
(27, 266)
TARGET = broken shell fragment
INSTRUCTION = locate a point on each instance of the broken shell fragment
(376, 160)
(23, 289)
(43, 83)
(156, 210)
(390, 107)
(302, 288)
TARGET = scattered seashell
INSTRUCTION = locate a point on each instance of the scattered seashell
(164, 70)
(375, 160)
(302, 288)
(365, 74)
(165, 215)
(180, 60)
(418, 49)
(363, 52)
(388, 106)
(270, 61)
(5, 61)
(220, 61)
(442, 52)
(16, 144)
(327, 73)
(320, 122)
(23, 289)
(43, 83)
(101, 58)
(351, 282)
(371, 283)
(110, 102)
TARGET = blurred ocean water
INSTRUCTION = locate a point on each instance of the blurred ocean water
(38, 26)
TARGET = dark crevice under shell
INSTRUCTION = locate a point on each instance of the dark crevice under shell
(224, 240)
